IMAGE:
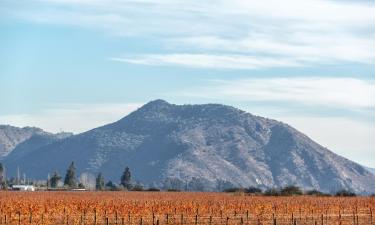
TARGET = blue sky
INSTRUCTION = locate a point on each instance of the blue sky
(73, 65)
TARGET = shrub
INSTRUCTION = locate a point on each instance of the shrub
(234, 189)
(110, 186)
(253, 190)
(137, 187)
(291, 190)
(153, 189)
(272, 192)
(316, 193)
(345, 193)
(173, 190)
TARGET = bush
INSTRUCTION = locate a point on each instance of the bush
(316, 193)
(137, 187)
(291, 190)
(253, 190)
(272, 192)
(345, 193)
(233, 190)
(110, 186)
(153, 189)
(173, 190)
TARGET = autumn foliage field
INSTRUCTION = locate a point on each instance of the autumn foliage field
(180, 208)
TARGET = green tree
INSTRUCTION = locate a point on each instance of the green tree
(272, 192)
(3, 182)
(1, 172)
(54, 180)
(126, 179)
(291, 190)
(345, 193)
(111, 186)
(100, 184)
(70, 177)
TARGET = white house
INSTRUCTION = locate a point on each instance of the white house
(23, 188)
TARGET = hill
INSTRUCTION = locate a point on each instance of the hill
(202, 147)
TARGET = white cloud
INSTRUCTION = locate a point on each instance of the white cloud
(209, 61)
(312, 31)
(303, 47)
(319, 91)
(71, 118)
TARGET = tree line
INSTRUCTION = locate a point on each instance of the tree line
(98, 183)
(70, 180)
(290, 190)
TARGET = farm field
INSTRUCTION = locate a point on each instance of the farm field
(180, 208)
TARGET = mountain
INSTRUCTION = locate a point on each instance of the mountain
(20, 141)
(200, 147)
(372, 170)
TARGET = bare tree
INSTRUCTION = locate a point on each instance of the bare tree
(88, 180)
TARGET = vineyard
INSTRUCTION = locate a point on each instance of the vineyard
(142, 208)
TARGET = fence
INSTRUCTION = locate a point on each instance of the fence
(341, 218)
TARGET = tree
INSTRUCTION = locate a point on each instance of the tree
(100, 184)
(291, 190)
(3, 183)
(126, 179)
(272, 192)
(345, 193)
(253, 190)
(1, 172)
(54, 180)
(138, 187)
(88, 180)
(70, 177)
(111, 186)
(316, 193)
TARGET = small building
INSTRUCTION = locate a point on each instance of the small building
(78, 189)
(23, 188)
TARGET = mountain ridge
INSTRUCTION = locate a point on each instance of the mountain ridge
(372, 170)
(11, 137)
(207, 144)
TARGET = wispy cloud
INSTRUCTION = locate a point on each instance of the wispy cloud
(316, 91)
(266, 32)
(310, 48)
(210, 61)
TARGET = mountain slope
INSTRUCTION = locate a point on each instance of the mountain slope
(372, 170)
(208, 144)
(11, 136)
(30, 145)
(16, 142)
